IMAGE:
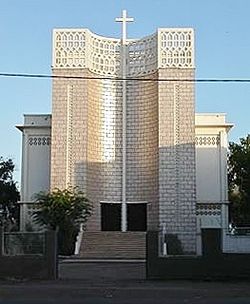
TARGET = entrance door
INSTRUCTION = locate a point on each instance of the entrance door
(137, 217)
(211, 241)
(110, 217)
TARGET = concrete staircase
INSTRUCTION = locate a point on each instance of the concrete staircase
(113, 245)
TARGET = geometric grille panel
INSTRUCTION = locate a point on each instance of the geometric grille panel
(79, 48)
(176, 48)
(210, 140)
(69, 48)
(208, 209)
(142, 56)
(104, 54)
(82, 49)
(39, 141)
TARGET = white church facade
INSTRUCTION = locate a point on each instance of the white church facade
(124, 130)
(211, 131)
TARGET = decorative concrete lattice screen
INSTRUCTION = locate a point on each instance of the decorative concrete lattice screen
(104, 55)
(69, 48)
(142, 56)
(208, 140)
(79, 48)
(208, 209)
(176, 48)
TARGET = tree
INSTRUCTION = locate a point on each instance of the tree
(9, 194)
(239, 181)
(65, 210)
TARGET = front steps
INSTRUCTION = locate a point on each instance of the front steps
(113, 245)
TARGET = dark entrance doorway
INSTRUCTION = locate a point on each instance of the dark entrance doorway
(110, 217)
(211, 241)
(137, 217)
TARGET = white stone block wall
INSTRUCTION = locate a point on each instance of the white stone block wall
(35, 176)
(235, 243)
(104, 145)
(87, 140)
(142, 146)
(211, 169)
(36, 144)
(87, 144)
(69, 130)
(87, 124)
(177, 185)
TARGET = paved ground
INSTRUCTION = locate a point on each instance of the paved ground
(101, 271)
(95, 283)
(136, 292)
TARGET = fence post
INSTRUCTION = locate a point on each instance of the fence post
(51, 253)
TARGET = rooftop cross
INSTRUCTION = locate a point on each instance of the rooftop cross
(124, 19)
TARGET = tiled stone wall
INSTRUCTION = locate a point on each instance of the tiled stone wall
(104, 145)
(86, 138)
(142, 145)
(235, 243)
(177, 190)
(69, 130)
(87, 145)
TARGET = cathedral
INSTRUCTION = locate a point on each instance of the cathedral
(123, 129)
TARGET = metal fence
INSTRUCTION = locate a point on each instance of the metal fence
(23, 243)
(239, 231)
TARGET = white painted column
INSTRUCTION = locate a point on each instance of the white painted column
(124, 138)
(223, 179)
(124, 19)
(223, 186)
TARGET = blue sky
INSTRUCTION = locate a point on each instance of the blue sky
(222, 31)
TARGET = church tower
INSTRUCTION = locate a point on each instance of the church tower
(123, 128)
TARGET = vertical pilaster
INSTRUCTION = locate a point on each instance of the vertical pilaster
(223, 179)
(69, 135)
